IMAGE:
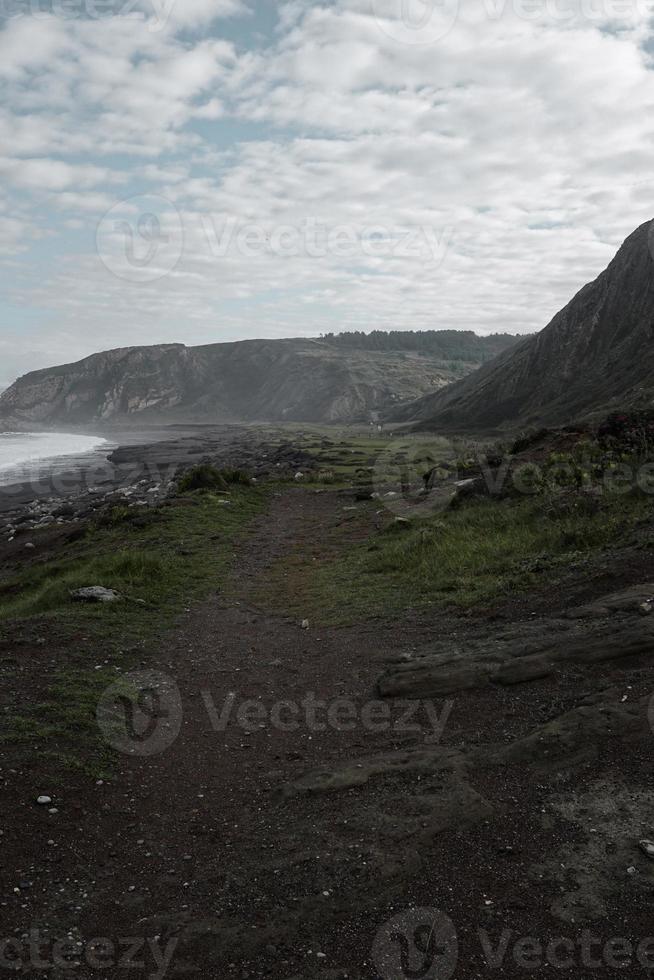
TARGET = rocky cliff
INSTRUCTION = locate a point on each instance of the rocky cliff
(275, 380)
(596, 355)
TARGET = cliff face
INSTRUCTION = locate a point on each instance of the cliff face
(276, 380)
(596, 355)
(100, 387)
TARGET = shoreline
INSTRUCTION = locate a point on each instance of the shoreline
(140, 471)
(129, 455)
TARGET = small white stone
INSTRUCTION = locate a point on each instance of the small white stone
(44, 800)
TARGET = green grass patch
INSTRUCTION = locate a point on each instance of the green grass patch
(207, 477)
(465, 557)
(63, 728)
(160, 561)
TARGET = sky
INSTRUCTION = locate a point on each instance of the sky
(196, 171)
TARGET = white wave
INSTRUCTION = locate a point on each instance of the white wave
(23, 451)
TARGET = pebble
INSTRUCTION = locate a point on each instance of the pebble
(44, 800)
(647, 847)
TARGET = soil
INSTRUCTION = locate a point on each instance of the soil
(364, 846)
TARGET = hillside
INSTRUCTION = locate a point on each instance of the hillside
(450, 345)
(596, 355)
(269, 380)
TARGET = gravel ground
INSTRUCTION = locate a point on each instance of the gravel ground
(289, 825)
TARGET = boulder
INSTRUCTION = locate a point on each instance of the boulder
(94, 593)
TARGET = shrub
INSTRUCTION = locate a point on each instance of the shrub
(236, 476)
(114, 516)
(202, 477)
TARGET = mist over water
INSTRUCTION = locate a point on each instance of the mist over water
(23, 454)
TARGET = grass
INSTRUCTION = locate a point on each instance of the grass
(465, 557)
(361, 457)
(177, 553)
(63, 729)
(160, 561)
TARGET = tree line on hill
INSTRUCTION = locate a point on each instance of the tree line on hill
(454, 345)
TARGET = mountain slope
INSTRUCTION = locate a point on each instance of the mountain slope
(295, 380)
(597, 354)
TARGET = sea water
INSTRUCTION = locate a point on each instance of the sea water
(27, 454)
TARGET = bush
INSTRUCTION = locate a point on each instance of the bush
(236, 476)
(202, 477)
(528, 439)
(114, 516)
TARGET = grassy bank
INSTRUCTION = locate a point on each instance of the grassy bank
(160, 561)
(466, 557)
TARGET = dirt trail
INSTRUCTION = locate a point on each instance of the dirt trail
(211, 850)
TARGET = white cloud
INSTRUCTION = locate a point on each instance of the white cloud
(55, 175)
(526, 141)
(191, 13)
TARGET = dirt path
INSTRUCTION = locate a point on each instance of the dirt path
(220, 861)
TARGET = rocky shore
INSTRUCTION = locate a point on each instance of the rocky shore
(141, 472)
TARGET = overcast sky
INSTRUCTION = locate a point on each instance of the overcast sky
(207, 170)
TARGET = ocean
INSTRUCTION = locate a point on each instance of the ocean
(24, 455)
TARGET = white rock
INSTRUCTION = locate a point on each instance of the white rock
(44, 800)
(647, 847)
(305, 624)
(95, 593)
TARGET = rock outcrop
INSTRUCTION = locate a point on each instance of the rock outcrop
(595, 356)
(266, 380)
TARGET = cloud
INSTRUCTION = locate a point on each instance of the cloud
(514, 146)
(191, 13)
(55, 175)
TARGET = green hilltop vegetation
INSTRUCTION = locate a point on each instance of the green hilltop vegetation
(457, 345)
